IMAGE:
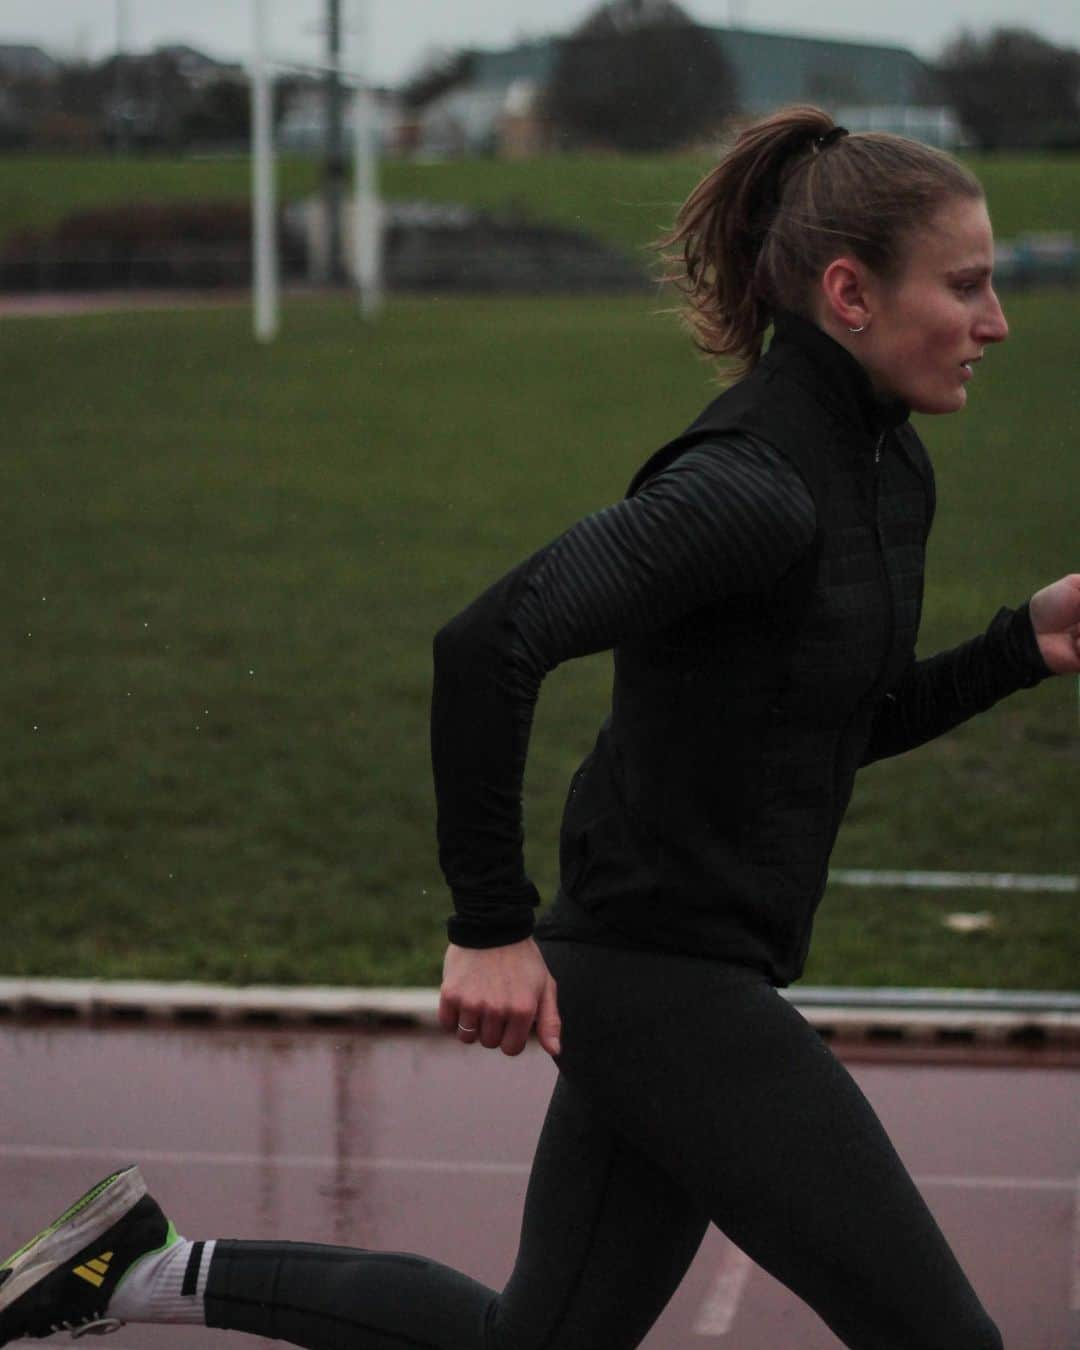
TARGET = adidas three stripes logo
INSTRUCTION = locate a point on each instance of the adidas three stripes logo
(94, 1271)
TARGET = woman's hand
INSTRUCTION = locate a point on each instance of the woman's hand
(495, 994)
(1055, 617)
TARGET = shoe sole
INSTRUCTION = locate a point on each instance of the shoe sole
(87, 1220)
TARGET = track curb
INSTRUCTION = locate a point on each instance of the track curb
(923, 1016)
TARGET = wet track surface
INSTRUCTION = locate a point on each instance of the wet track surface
(405, 1140)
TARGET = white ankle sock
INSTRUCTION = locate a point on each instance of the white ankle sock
(165, 1286)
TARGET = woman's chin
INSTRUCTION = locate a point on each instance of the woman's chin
(946, 402)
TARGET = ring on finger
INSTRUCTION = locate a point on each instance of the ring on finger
(462, 1027)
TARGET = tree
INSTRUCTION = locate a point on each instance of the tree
(1013, 88)
(219, 113)
(144, 101)
(440, 71)
(639, 75)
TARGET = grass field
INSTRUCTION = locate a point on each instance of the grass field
(626, 200)
(223, 565)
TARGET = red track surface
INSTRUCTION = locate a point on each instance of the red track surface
(54, 304)
(60, 304)
(405, 1140)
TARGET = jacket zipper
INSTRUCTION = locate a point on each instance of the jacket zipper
(891, 626)
(890, 639)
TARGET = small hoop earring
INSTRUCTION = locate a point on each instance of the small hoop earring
(861, 328)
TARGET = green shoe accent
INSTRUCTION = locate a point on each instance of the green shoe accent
(68, 1213)
(172, 1237)
(64, 1278)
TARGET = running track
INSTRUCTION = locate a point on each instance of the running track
(405, 1140)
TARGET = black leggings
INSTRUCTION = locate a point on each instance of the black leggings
(690, 1092)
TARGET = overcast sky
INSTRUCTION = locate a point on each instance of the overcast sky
(404, 31)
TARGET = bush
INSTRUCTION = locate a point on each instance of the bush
(174, 244)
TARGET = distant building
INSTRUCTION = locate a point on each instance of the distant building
(302, 126)
(523, 129)
(933, 125)
(498, 107)
(777, 68)
(27, 77)
(463, 121)
(21, 61)
(197, 69)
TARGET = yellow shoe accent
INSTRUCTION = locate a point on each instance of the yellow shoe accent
(94, 1271)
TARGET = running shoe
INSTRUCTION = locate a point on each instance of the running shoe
(62, 1279)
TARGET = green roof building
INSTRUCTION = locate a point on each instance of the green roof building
(866, 85)
(771, 69)
(777, 68)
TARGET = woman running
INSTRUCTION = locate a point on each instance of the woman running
(760, 585)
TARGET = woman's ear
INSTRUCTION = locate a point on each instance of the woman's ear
(844, 294)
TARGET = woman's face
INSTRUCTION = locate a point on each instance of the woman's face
(928, 327)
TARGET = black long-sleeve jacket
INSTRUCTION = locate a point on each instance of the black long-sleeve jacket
(761, 587)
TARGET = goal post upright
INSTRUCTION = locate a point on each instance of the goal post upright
(367, 234)
(267, 318)
(367, 242)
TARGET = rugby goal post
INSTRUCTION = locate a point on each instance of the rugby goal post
(367, 213)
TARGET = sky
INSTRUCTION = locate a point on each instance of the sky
(402, 33)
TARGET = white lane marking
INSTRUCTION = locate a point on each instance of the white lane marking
(59, 1153)
(314, 1161)
(1074, 1301)
(721, 1303)
(954, 881)
(996, 1183)
(717, 1312)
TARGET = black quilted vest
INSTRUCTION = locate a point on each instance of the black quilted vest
(703, 819)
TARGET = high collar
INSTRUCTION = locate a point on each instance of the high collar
(838, 378)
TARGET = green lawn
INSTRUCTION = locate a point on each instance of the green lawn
(628, 200)
(223, 565)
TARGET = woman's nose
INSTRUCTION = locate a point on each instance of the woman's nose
(992, 326)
